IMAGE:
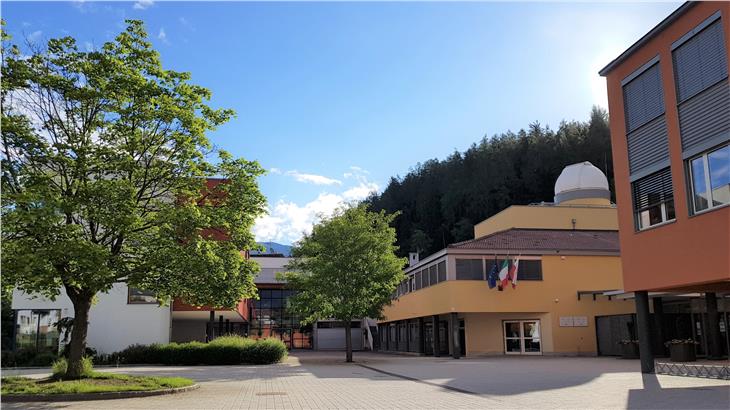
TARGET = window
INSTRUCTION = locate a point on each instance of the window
(653, 199)
(700, 61)
(426, 280)
(643, 97)
(710, 179)
(529, 270)
(139, 296)
(36, 330)
(441, 271)
(469, 269)
(419, 281)
(432, 275)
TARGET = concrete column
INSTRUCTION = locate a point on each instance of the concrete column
(421, 335)
(220, 325)
(714, 346)
(436, 344)
(658, 327)
(643, 331)
(454, 343)
(209, 327)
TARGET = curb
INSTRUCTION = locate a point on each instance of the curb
(18, 398)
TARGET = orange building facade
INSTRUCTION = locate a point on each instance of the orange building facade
(669, 103)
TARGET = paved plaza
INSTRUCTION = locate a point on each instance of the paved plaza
(313, 380)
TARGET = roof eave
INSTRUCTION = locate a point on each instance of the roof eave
(647, 37)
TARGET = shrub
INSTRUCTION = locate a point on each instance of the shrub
(226, 350)
(60, 367)
(27, 357)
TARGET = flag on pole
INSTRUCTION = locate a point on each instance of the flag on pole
(513, 272)
(504, 273)
(493, 275)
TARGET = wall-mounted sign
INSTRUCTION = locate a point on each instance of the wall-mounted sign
(573, 321)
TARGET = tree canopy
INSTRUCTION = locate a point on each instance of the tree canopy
(346, 268)
(441, 201)
(106, 179)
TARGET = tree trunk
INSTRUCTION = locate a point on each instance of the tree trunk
(348, 340)
(77, 345)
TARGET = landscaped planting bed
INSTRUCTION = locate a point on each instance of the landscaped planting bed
(92, 383)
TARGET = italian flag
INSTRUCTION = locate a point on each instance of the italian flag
(513, 272)
(504, 273)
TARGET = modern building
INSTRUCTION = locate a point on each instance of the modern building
(568, 257)
(669, 100)
(125, 316)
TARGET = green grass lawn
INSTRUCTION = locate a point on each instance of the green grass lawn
(96, 383)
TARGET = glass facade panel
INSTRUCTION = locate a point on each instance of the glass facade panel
(719, 164)
(442, 271)
(271, 318)
(36, 329)
(469, 269)
(513, 345)
(699, 187)
(433, 274)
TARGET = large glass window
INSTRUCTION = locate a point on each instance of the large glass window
(653, 199)
(441, 271)
(271, 317)
(36, 329)
(522, 337)
(710, 176)
(140, 296)
(469, 269)
(529, 270)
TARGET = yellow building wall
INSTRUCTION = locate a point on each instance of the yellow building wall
(550, 217)
(548, 300)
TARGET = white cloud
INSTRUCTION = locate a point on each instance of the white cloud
(287, 221)
(162, 36)
(313, 178)
(143, 4)
(34, 36)
(275, 171)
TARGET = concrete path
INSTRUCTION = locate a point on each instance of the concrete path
(313, 380)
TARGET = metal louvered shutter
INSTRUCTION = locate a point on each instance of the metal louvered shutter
(652, 190)
(704, 120)
(648, 146)
(643, 98)
(700, 62)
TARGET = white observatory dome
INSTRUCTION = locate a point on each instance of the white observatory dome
(581, 181)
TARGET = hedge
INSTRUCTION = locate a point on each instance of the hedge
(225, 350)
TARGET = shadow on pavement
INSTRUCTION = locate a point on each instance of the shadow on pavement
(653, 396)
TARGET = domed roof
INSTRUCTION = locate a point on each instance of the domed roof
(581, 180)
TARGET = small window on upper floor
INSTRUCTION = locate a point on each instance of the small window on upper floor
(653, 197)
(469, 269)
(700, 61)
(710, 179)
(138, 296)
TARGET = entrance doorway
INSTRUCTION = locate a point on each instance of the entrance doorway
(522, 337)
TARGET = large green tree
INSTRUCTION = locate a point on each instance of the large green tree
(346, 268)
(104, 170)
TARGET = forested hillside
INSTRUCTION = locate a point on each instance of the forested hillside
(441, 201)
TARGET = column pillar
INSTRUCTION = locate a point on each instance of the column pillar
(209, 327)
(454, 343)
(714, 348)
(658, 327)
(436, 344)
(421, 336)
(220, 325)
(643, 331)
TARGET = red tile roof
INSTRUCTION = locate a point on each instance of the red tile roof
(518, 239)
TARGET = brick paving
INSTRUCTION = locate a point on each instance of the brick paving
(315, 380)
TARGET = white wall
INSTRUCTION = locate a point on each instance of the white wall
(113, 324)
(270, 265)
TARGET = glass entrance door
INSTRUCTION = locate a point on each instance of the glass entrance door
(522, 337)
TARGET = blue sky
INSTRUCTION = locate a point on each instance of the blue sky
(335, 98)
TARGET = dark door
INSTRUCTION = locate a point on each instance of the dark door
(444, 337)
(462, 338)
(428, 336)
(610, 330)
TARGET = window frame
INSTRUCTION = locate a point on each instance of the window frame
(638, 226)
(708, 180)
(129, 297)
